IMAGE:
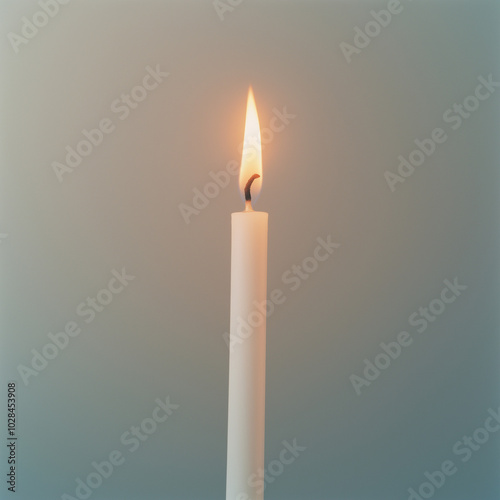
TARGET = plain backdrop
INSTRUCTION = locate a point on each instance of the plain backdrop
(324, 175)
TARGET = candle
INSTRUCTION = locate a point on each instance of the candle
(247, 358)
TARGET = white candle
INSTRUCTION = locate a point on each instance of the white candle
(247, 359)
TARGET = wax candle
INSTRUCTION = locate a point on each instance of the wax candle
(247, 358)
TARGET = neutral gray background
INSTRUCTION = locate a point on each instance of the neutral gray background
(323, 175)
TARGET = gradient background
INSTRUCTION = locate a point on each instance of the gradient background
(323, 175)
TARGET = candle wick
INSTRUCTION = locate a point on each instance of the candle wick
(248, 196)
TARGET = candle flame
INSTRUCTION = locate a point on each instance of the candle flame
(251, 160)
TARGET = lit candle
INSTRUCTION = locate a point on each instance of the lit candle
(247, 358)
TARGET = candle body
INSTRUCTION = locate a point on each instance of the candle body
(247, 358)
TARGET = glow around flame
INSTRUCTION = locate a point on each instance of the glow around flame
(251, 159)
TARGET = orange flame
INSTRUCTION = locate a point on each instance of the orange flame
(251, 160)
